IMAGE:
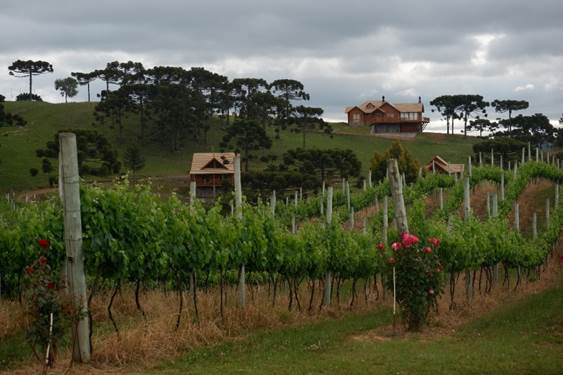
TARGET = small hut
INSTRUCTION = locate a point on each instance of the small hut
(212, 170)
(439, 165)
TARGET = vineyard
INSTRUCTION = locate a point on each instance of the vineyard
(308, 254)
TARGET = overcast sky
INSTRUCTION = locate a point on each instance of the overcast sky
(344, 52)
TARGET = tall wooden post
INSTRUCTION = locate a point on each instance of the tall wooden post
(238, 212)
(352, 218)
(523, 155)
(348, 195)
(441, 198)
(397, 194)
(469, 166)
(495, 204)
(515, 169)
(75, 277)
(365, 185)
(273, 203)
(501, 163)
(489, 206)
(480, 159)
(369, 178)
(537, 154)
(193, 192)
(529, 151)
(492, 158)
(328, 276)
(535, 225)
(556, 196)
(385, 219)
(466, 199)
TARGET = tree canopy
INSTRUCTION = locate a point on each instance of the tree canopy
(67, 87)
(28, 69)
(246, 137)
(407, 164)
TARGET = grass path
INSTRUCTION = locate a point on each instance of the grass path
(524, 337)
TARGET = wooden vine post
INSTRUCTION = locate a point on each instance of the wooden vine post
(328, 275)
(466, 216)
(75, 277)
(238, 212)
(517, 217)
(273, 203)
(385, 219)
(400, 218)
(193, 192)
(502, 187)
(369, 178)
(469, 166)
(535, 225)
(441, 198)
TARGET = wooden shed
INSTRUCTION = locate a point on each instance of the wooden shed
(442, 166)
(212, 170)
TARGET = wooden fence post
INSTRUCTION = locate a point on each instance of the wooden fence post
(328, 276)
(466, 198)
(352, 218)
(517, 217)
(492, 158)
(523, 155)
(556, 196)
(480, 159)
(397, 194)
(193, 192)
(238, 212)
(469, 167)
(348, 196)
(489, 208)
(547, 216)
(529, 151)
(273, 203)
(535, 225)
(369, 178)
(75, 277)
(495, 204)
(385, 219)
(441, 198)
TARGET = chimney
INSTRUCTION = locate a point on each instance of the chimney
(383, 98)
(419, 100)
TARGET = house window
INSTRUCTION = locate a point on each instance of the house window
(356, 117)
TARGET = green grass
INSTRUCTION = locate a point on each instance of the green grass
(521, 338)
(17, 146)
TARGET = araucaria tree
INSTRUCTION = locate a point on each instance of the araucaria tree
(470, 106)
(67, 87)
(84, 79)
(502, 106)
(28, 69)
(246, 136)
(446, 105)
(133, 158)
(308, 118)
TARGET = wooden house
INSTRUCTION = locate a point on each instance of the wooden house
(439, 165)
(385, 117)
(213, 170)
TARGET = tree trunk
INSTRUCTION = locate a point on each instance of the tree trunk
(30, 84)
(88, 92)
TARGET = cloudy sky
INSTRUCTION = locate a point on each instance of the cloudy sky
(344, 52)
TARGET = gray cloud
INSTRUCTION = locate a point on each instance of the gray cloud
(344, 52)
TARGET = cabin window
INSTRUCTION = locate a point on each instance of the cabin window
(356, 117)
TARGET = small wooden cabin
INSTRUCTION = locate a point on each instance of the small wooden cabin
(213, 170)
(439, 165)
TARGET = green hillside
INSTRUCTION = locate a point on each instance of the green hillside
(17, 146)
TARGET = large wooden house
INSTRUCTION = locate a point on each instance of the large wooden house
(385, 117)
(212, 170)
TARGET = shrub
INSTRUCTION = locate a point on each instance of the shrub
(418, 278)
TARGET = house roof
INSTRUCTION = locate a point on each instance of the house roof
(213, 163)
(440, 163)
(370, 106)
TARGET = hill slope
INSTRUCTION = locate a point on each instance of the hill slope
(17, 146)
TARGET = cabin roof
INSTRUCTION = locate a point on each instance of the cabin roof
(370, 106)
(203, 163)
(442, 164)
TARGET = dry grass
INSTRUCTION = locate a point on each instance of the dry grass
(12, 318)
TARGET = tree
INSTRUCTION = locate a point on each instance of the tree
(243, 91)
(25, 97)
(509, 106)
(67, 87)
(133, 158)
(246, 136)
(29, 68)
(289, 90)
(324, 163)
(508, 147)
(308, 118)
(535, 129)
(9, 119)
(111, 74)
(114, 106)
(407, 164)
(482, 124)
(96, 157)
(84, 79)
(469, 106)
(446, 105)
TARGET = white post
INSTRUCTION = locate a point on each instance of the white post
(193, 192)
(529, 151)
(492, 158)
(537, 154)
(469, 166)
(273, 203)
(547, 216)
(523, 155)
(495, 204)
(515, 169)
(238, 210)
(369, 179)
(348, 196)
(489, 208)
(76, 279)
(365, 185)
(535, 225)
(466, 199)
(441, 198)
(328, 276)
(480, 159)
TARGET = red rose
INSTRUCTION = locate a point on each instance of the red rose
(409, 240)
(427, 250)
(50, 285)
(396, 246)
(29, 270)
(434, 241)
(44, 244)
(381, 246)
(42, 260)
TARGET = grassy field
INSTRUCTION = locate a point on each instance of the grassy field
(17, 146)
(525, 337)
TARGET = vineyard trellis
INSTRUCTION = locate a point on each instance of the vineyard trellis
(133, 236)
